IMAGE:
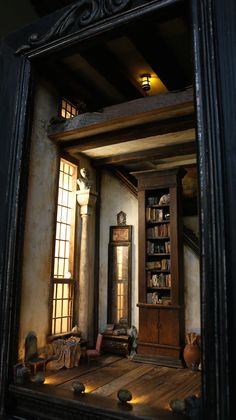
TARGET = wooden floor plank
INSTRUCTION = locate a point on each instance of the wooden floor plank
(122, 381)
(151, 385)
(58, 377)
(100, 377)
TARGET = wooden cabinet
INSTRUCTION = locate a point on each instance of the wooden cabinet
(118, 344)
(161, 294)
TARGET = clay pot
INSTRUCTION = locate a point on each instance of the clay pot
(192, 355)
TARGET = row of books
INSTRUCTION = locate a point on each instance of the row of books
(159, 231)
(156, 248)
(154, 215)
(157, 299)
(161, 280)
(163, 264)
(153, 201)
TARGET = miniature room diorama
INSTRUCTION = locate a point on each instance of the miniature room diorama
(117, 206)
(111, 257)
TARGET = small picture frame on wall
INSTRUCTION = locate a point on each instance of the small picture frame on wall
(121, 218)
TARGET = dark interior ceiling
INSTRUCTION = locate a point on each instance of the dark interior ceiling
(106, 71)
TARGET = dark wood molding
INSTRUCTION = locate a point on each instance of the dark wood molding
(215, 80)
(77, 16)
(15, 97)
(214, 35)
(127, 179)
(191, 240)
(55, 403)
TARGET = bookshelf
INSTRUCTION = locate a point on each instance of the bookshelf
(161, 294)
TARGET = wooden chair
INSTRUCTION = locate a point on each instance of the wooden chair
(32, 360)
(93, 354)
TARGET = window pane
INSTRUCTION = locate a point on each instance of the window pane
(61, 267)
(64, 325)
(61, 249)
(55, 266)
(64, 214)
(58, 326)
(59, 290)
(66, 291)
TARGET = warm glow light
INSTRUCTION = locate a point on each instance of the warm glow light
(146, 83)
(49, 381)
(138, 400)
(88, 389)
(124, 395)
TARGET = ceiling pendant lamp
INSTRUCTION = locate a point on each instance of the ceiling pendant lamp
(145, 82)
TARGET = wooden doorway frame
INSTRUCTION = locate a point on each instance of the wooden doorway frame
(214, 32)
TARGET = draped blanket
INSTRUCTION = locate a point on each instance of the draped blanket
(66, 353)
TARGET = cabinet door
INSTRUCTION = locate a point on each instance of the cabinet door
(148, 325)
(169, 327)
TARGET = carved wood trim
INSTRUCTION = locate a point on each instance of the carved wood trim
(191, 240)
(78, 16)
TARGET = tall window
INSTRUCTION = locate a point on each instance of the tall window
(119, 275)
(63, 275)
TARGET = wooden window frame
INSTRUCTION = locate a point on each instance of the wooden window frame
(115, 242)
(59, 279)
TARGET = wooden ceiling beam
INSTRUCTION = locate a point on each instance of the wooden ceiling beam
(182, 149)
(105, 63)
(129, 114)
(160, 57)
(69, 85)
(173, 125)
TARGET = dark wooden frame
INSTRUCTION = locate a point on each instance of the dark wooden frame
(214, 34)
(111, 246)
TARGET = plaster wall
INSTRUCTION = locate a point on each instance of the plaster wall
(114, 198)
(192, 291)
(40, 217)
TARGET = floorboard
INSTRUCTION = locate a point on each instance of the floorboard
(151, 385)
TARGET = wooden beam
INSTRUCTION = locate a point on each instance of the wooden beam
(127, 179)
(133, 113)
(163, 152)
(106, 63)
(172, 125)
(191, 240)
(163, 67)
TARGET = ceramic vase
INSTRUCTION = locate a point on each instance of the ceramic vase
(192, 355)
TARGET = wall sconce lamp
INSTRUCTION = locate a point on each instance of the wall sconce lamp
(145, 82)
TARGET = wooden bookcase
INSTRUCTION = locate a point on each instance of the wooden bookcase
(161, 294)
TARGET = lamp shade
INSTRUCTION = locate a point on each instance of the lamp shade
(145, 82)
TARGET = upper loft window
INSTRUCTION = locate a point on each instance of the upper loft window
(63, 275)
(67, 109)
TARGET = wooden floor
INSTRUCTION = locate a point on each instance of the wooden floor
(151, 385)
